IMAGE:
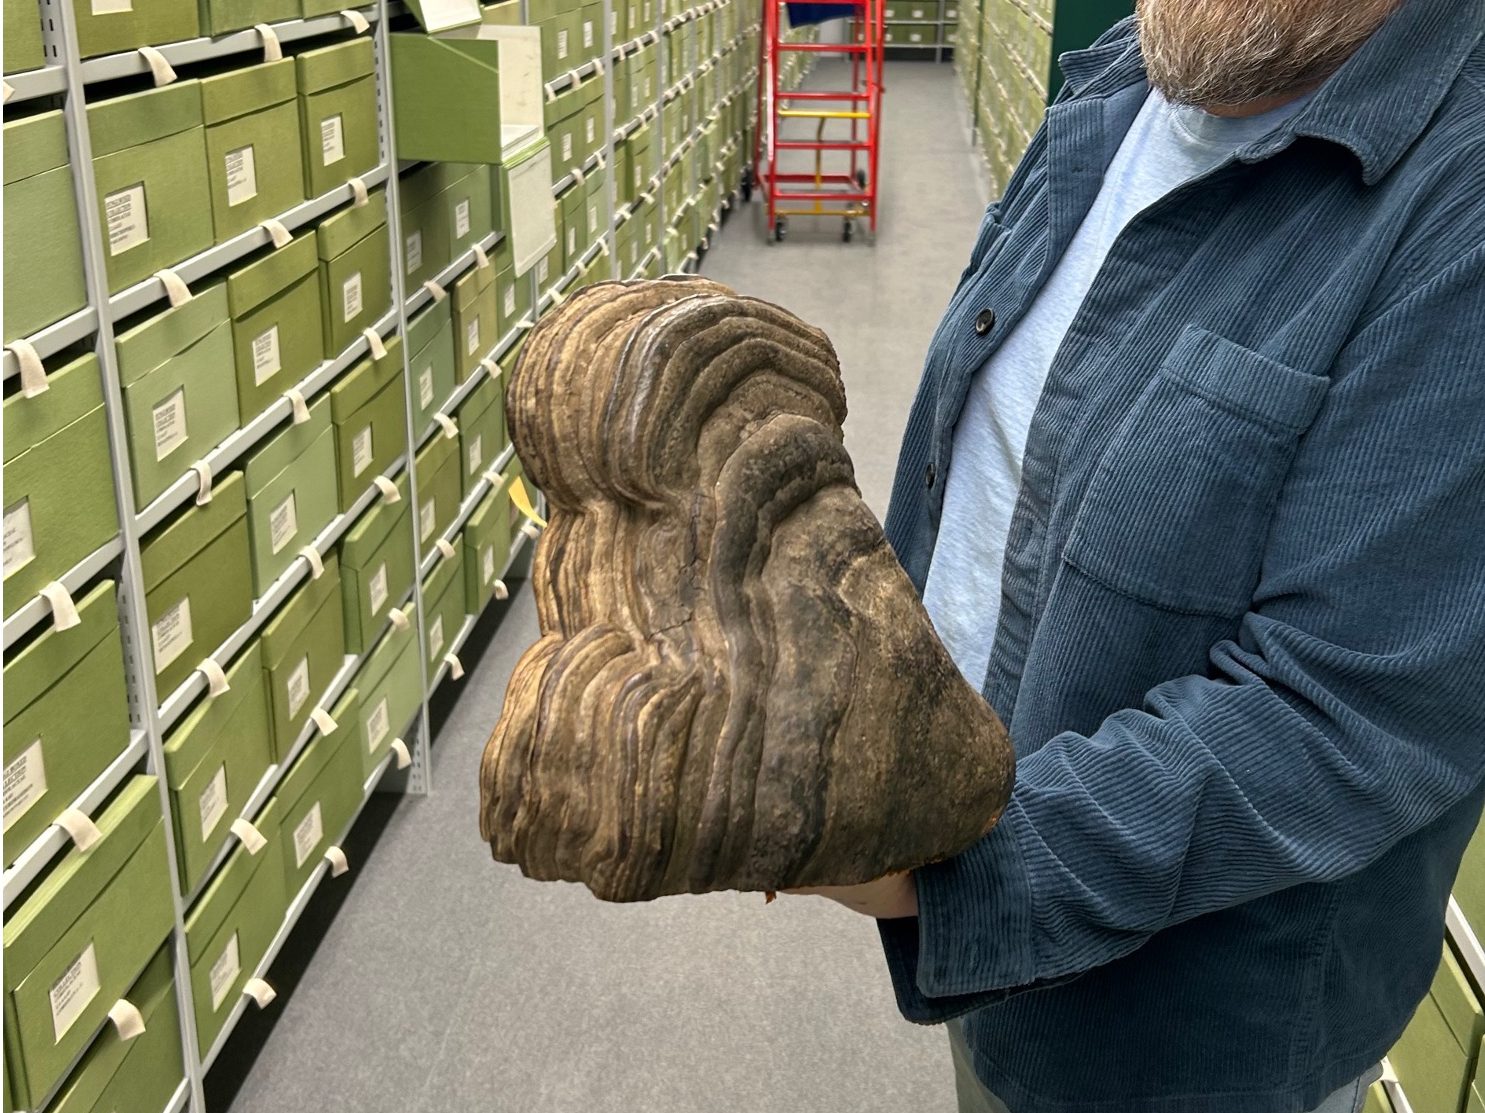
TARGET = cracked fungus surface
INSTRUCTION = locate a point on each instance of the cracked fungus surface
(735, 686)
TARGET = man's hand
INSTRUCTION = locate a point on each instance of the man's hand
(887, 898)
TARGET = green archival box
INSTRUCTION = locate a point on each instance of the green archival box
(66, 717)
(213, 762)
(253, 145)
(337, 113)
(355, 271)
(320, 795)
(376, 568)
(473, 296)
(303, 650)
(291, 493)
(369, 410)
(112, 27)
(142, 1073)
(43, 242)
(486, 549)
(179, 399)
(481, 430)
(391, 691)
(154, 192)
(276, 323)
(59, 504)
(23, 51)
(430, 339)
(197, 582)
(438, 488)
(80, 939)
(443, 592)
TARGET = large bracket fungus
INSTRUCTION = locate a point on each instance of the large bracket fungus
(736, 686)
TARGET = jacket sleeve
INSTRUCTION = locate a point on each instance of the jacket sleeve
(1348, 713)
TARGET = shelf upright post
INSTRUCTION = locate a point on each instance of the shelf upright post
(134, 629)
(610, 192)
(420, 776)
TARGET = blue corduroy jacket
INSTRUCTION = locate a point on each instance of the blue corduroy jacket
(1241, 646)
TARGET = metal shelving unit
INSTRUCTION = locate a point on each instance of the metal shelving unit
(153, 713)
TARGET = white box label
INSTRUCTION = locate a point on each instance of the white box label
(212, 802)
(472, 336)
(461, 218)
(283, 524)
(111, 7)
(588, 34)
(425, 387)
(71, 992)
(567, 146)
(378, 724)
(476, 453)
(590, 129)
(541, 270)
(350, 298)
(171, 634)
(562, 44)
(414, 252)
(427, 519)
(242, 176)
(361, 451)
(266, 362)
(224, 973)
(170, 424)
(593, 220)
(332, 140)
(435, 637)
(25, 782)
(510, 301)
(20, 545)
(487, 563)
(128, 220)
(298, 686)
(307, 835)
(376, 590)
(572, 241)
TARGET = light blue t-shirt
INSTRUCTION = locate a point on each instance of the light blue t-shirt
(1166, 146)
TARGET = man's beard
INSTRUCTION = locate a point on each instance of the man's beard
(1232, 52)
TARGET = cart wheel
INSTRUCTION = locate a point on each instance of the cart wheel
(746, 187)
(780, 229)
(861, 178)
(845, 232)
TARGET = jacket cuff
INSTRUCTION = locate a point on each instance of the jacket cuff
(971, 944)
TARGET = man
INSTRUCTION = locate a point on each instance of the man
(1194, 488)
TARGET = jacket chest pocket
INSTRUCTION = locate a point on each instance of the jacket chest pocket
(1177, 511)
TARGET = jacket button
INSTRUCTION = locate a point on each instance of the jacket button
(984, 321)
(929, 474)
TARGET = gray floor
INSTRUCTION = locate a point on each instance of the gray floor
(445, 983)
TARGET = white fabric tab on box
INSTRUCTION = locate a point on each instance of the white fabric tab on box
(450, 429)
(530, 530)
(273, 50)
(337, 859)
(359, 23)
(598, 66)
(175, 287)
(578, 175)
(404, 756)
(216, 679)
(602, 162)
(388, 489)
(550, 92)
(603, 245)
(456, 670)
(9, 90)
(128, 1020)
(80, 829)
(64, 610)
(500, 590)
(279, 234)
(315, 561)
(491, 367)
(260, 991)
(159, 68)
(33, 371)
(557, 296)
(296, 400)
(322, 719)
(438, 292)
(481, 257)
(399, 619)
(445, 547)
(203, 482)
(374, 342)
(359, 192)
(251, 838)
